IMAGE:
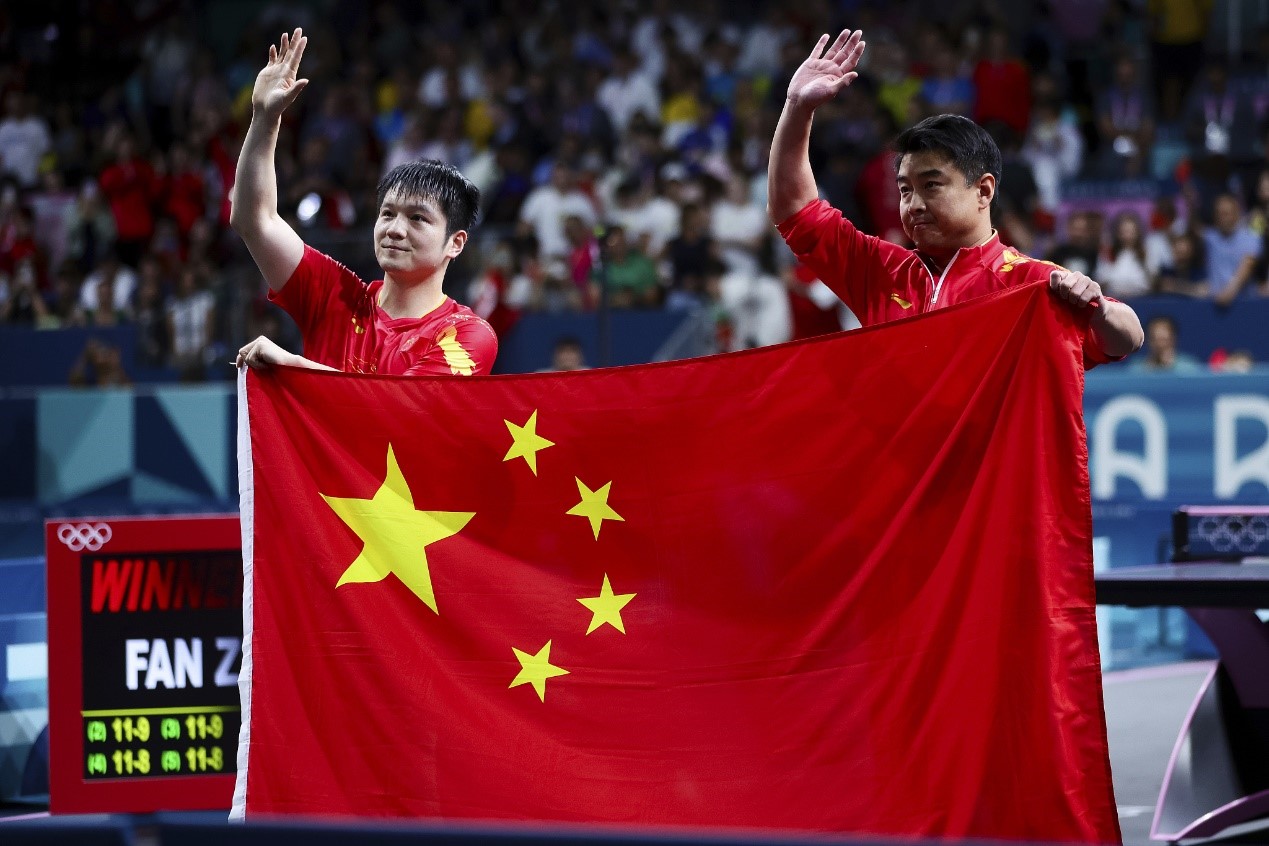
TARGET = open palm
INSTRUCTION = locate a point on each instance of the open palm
(825, 72)
(276, 85)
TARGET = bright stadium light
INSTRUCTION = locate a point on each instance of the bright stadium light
(308, 208)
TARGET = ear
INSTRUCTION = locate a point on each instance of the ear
(456, 243)
(986, 190)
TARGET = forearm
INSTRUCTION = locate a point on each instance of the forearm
(1117, 329)
(1239, 280)
(790, 180)
(254, 198)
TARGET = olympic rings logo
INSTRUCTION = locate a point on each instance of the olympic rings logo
(1234, 534)
(79, 536)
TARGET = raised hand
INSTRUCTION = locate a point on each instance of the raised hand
(276, 85)
(825, 72)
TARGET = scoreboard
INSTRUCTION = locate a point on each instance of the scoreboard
(145, 646)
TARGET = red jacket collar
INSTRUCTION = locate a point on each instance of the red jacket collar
(986, 254)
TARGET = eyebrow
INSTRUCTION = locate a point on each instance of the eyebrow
(408, 206)
(933, 171)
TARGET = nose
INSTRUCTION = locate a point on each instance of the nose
(395, 228)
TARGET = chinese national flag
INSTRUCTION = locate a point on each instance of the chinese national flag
(839, 585)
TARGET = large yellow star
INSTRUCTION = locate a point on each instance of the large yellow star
(536, 669)
(394, 534)
(606, 608)
(526, 442)
(594, 506)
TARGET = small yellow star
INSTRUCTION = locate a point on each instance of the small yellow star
(394, 535)
(526, 442)
(536, 669)
(594, 506)
(606, 607)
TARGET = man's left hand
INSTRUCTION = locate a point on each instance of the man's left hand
(1076, 289)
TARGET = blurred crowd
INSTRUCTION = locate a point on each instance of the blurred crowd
(620, 149)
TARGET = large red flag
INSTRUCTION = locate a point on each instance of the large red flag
(839, 585)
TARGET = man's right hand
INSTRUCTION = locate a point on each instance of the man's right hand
(276, 85)
(821, 76)
(262, 354)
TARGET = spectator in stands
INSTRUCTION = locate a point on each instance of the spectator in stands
(1164, 226)
(1219, 120)
(1081, 250)
(90, 229)
(121, 279)
(1162, 355)
(24, 139)
(1177, 31)
(1186, 272)
(63, 304)
(21, 302)
(1002, 85)
(948, 89)
(547, 206)
(1125, 123)
(757, 303)
(739, 228)
(153, 337)
(897, 86)
(553, 291)
(650, 219)
(1236, 361)
(1232, 251)
(103, 313)
(410, 145)
(191, 318)
(628, 92)
(582, 254)
(18, 248)
(403, 324)
(567, 355)
(1055, 149)
(690, 256)
(183, 195)
(99, 365)
(631, 276)
(132, 188)
(876, 195)
(1122, 267)
(948, 170)
(1017, 196)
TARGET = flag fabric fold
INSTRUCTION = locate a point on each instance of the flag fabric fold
(839, 585)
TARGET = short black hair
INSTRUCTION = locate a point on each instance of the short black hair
(429, 179)
(970, 148)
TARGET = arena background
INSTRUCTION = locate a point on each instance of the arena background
(580, 120)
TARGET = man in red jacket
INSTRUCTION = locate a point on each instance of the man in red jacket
(401, 325)
(948, 169)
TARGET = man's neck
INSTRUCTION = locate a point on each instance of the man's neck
(938, 260)
(401, 300)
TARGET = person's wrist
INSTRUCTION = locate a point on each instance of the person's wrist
(798, 105)
(264, 113)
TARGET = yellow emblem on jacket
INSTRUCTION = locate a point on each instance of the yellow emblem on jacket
(458, 359)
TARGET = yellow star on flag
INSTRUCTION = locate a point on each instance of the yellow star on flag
(394, 534)
(536, 669)
(606, 608)
(594, 506)
(526, 442)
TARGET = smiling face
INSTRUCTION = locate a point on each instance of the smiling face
(940, 212)
(411, 244)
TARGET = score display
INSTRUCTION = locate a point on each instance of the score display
(145, 646)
